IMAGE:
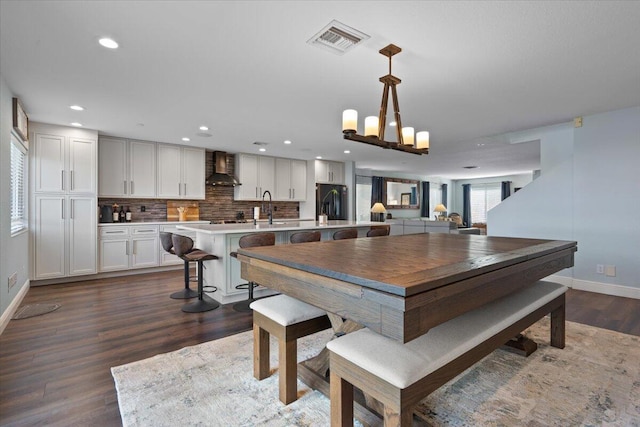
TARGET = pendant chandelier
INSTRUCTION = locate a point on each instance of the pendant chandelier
(374, 126)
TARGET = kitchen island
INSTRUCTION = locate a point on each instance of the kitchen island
(222, 239)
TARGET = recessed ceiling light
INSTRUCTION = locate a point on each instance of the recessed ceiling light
(480, 145)
(393, 124)
(185, 139)
(108, 43)
(287, 142)
(204, 128)
(76, 107)
(262, 149)
(347, 152)
(76, 124)
(318, 157)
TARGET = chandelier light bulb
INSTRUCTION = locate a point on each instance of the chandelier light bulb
(371, 126)
(407, 135)
(350, 121)
(422, 140)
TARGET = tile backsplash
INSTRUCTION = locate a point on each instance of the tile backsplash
(217, 206)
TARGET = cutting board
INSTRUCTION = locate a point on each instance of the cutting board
(192, 211)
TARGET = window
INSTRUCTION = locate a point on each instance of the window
(363, 198)
(484, 197)
(435, 198)
(18, 186)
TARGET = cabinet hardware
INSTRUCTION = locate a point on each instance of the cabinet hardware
(113, 232)
(294, 193)
(62, 208)
(132, 190)
(62, 179)
(71, 184)
(125, 187)
(185, 188)
(71, 207)
(179, 190)
(127, 248)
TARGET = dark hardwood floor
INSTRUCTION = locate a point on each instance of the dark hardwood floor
(55, 368)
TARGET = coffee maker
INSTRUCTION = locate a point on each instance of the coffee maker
(106, 213)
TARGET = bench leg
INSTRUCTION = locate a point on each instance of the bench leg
(393, 419)
(260, 353)
(558, 325)
(341, 397)
(288, 370)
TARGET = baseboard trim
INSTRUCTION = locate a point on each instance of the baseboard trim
(598, 287)
(8, 313)
(106, 275)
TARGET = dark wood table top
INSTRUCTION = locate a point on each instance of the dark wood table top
(403, 285)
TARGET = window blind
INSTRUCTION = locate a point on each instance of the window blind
(17, 187)
(484, 197)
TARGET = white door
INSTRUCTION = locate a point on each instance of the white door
(82, 235)
(266, 175)
(247, 167)
(144, 252)
(142, 169)
(193, 173)
(82, 166)
(49, 153)
(114, 254)
(298, 180)
(169, 171)
(49, 236)
(282, 180)
(112, 168)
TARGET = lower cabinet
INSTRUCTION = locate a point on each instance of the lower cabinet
(126, 247)
(64, 238)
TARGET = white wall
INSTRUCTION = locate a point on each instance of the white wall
(14, 251)
(588, 191)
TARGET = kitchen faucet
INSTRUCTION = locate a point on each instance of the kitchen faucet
(269, 213)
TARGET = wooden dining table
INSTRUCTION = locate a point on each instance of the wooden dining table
(401, 286)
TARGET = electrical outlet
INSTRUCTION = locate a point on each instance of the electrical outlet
(577, 122)
(610, 270)
(600, 269)
(13, 279)
(143, 208)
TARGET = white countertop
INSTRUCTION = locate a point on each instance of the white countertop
(115, 224)
(278, 225)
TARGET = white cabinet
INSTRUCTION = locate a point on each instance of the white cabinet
(63, 214)
(329, 172)
(127, 247)
(256, 174)
(64, 164)
(181, 172)
(127, 168)
(64, 236)
(290, 180)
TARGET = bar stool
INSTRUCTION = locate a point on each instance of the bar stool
(378, 230)
(287, 319)
(251, 241)
(347, 233)
(167, 244)
(183, 247)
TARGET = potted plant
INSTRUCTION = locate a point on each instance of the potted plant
(322, 218)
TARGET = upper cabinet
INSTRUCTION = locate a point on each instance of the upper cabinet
(256, 174)
(64, 164)
(328, 172)
(126, 168)
(181, 172)
(290, 180)
(142, 169)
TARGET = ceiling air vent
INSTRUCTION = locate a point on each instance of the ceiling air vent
(337, 38)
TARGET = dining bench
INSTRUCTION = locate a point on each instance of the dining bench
(400, 375)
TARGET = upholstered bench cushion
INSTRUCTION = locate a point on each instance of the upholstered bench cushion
(403, 364)
(286, 310)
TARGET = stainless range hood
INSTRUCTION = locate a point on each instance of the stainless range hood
(220, 176)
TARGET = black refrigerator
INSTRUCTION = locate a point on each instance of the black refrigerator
(333, 204)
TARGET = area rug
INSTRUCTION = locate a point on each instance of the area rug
(595, 380)
(32, 310)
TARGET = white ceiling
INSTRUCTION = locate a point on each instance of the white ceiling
(470, 71)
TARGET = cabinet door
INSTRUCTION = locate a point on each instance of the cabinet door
(49, 165)
(82, 166)
(282, 180)
(336, 172)
(49, 236)
(112, 167)
(266, 175)
(142, 169)
(82, 235)
(193, 173)
(298, 180)
(247, 167)
(144, 252)
(169, 171)
(114, 254)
